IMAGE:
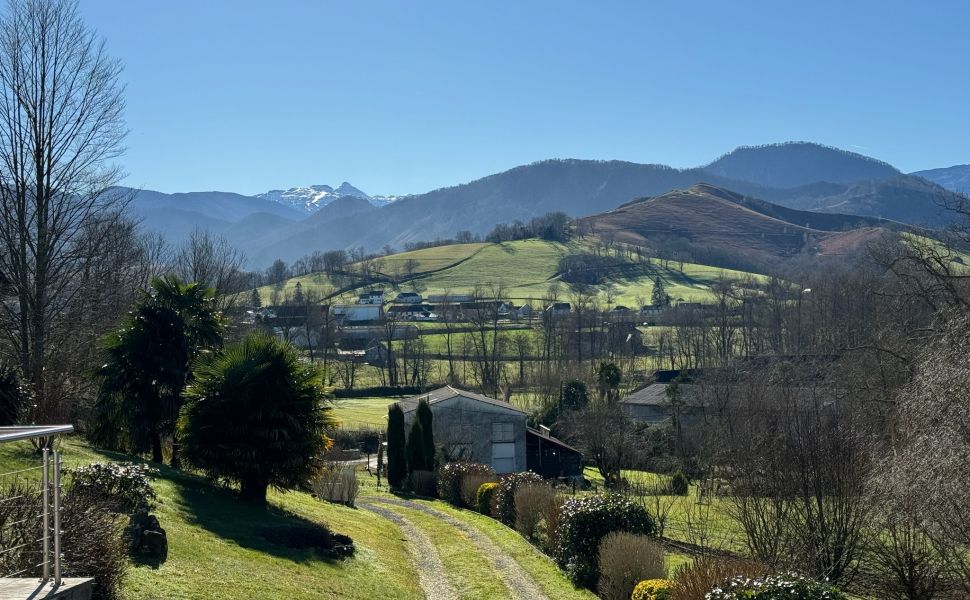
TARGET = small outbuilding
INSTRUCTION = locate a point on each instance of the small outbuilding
(551, 457)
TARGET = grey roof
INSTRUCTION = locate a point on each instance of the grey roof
(655, 394)
(551, 439)
(448, 392)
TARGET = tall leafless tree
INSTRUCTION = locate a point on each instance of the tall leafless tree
(61, 127)
(211, 260)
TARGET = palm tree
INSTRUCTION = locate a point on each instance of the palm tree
(256, 414)
(148, 364)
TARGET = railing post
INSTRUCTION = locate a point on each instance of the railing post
(46, 513)
(57, 518)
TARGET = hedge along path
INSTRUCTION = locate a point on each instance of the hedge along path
(431, 573)
(516, 579)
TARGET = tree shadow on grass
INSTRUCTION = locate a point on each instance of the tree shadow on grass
(270, 530)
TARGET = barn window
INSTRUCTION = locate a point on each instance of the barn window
(502, 432)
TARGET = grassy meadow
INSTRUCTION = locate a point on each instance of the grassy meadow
(525, 270)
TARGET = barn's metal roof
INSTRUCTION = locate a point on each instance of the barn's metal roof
(448, 392)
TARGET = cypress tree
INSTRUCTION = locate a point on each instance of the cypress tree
(426, 418)
(396, 460)
(415, 448)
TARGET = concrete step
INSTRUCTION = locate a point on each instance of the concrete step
(71, 588)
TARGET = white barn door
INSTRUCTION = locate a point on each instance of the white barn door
(503, 457)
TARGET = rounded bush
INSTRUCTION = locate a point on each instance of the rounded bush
(505, 496)
(125, 487)
(680, 485)
(451, 475)
(485, 496)
(652, 589)
(787, 586)
(583, 524)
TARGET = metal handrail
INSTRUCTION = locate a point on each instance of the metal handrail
(26, 432)
(50, 505)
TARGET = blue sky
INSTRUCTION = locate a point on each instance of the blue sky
(403, 97)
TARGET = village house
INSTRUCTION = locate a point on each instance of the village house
(411, 312)
(371, 297)
(652, 403)
(558, 309)
(473, 427)
(408, 298)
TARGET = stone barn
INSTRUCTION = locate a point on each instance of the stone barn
(475, 428)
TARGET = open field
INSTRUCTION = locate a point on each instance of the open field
(525, 270)
(355, 413)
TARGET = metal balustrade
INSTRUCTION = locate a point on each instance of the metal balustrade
(36, 498)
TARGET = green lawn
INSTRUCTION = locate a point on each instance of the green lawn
(356, 413)
(222, 548)
(217, 547)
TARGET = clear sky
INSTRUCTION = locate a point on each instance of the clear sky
(406, 96)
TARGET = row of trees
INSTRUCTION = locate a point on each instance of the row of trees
(415, 451)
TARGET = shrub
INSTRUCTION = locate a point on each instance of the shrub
(625, 559)
(337, 484)
(788, 586)
(450, 478)
(583, 524)
(695, 580)
(93, 543)
(548, 530)
(679, 484)
(123, 487)
(423, 483)
(652, 589)
(485, 496)
(469, 488)
(530, 504)
(505, 496)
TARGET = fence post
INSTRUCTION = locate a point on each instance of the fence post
(57, 518)
(46, 514)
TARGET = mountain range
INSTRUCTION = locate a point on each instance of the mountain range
(795, 175)
(309, 200)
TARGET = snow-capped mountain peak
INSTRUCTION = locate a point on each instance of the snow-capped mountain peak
(312, 198)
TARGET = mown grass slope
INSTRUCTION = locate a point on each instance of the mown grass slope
(223, 549)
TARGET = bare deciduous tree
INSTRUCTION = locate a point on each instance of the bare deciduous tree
(61, 127)
(212, 261)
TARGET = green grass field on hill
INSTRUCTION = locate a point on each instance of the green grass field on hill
(525, 269)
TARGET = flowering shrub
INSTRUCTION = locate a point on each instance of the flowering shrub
(484, 497)
(788, 586)
(505, 496)
(126, 487)
(450, 478)
(583, 524)
(652, 589)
